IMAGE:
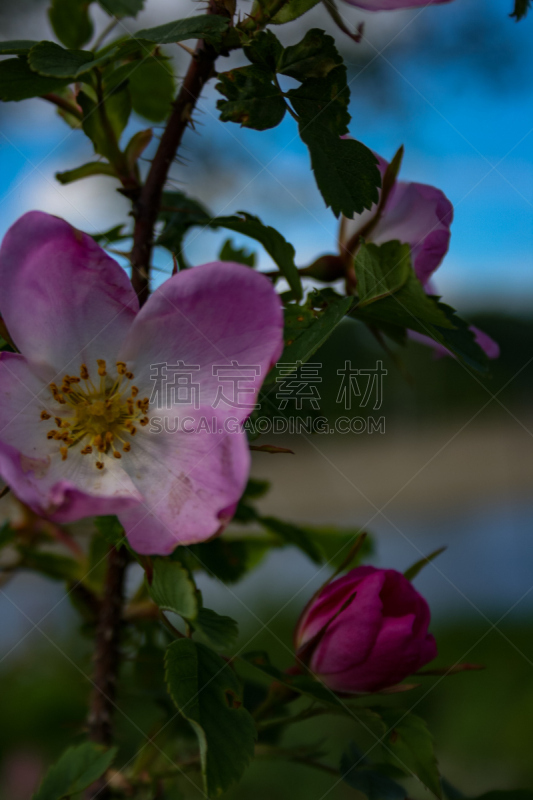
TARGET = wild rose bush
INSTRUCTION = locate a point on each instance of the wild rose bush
(92, 426)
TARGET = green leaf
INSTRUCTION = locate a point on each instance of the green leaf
(207, 693)
(265, 50)
(292, 10)
(281, 252)
(236, 254)
(53, 61)
(7, 534)
(314, 335)
(507, 794)
(85, 171)
(71, 22)
(151, 86)
(173, 589)
(323, 103)
(357, 773)
(254, 100)
(122, 8)
(180, 213)
(220, 558)
(521, 7)
(210, 28)
(413, 571)
(295, 535)
(381, 270)
(217, 631)
(412, 308)
(77, 768)
(19, 82)
(104, 122)
(16, 47)
(335, 544)
(345, 170)
(109, 527)
(409, 746)
(53, 565)
(409, 306)
(314, 57)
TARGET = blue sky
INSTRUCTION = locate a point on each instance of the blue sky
(453, 84)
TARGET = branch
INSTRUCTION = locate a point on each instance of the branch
(107, 658)
(146, 210)
(64, 104)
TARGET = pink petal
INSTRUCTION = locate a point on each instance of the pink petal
(327, 602)
(208, 317)
(32, 465)
(488, 345)
(350, 637)
(190, 481)
(418, 215)
(397, 653)
(64, 301)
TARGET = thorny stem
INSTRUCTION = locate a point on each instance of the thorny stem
(146, 209)
(107, 659)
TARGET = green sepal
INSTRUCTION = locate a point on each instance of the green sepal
(85, 171)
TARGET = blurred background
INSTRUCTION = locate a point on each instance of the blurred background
(454, 463)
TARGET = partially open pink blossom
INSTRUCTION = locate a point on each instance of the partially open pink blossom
(418, 215)
(392, 5)
(78, 406)
(365, 632)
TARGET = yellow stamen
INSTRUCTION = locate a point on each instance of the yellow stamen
(64, 453)
(45, 415)
(99, 465)
(84, 372)
(101, 367)
(121, 367)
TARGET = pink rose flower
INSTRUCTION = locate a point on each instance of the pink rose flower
(392, 5)
(78, 402)
(418, 215)
(365, 632)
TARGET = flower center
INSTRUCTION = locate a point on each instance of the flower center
(101, 416)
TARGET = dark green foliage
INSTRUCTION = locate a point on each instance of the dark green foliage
(207, 693)
(71, 22)
(521, 7)
(53, 61)
(254, 100)
(77, 769)
(19, 82)
(210, 28)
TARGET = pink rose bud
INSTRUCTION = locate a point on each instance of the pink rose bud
(365, 631)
